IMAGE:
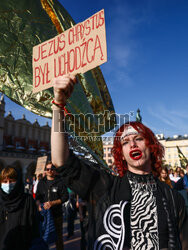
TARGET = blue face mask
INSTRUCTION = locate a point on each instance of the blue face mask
(8, 187)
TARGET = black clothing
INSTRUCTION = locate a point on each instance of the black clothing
(179, 185)
(13, 201)
(50, 190)
(70, 215)
(83, 223)
(18, 219)
(109, 198)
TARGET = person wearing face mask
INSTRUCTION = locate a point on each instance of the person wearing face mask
(133, 210)
(18, 213)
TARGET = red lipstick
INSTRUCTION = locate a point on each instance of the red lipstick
(135, 154)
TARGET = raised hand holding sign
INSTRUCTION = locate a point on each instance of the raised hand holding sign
(77, 50)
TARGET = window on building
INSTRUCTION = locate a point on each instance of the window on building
(109, 149)
(109, 155)
(104, 155)
(109, 161)
(104, 149)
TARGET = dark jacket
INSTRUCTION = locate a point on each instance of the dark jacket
(181, 183)
(50, 191)
(18, 219)
(105, 192)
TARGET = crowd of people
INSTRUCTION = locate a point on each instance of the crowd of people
(176, 179)
(140, 207)
(31, 212)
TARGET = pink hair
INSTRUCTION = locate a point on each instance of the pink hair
(156, 148)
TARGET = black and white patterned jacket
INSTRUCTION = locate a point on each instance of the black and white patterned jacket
(109, 199)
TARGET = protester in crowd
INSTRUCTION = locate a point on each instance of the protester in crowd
(176, 177)
(133, 210)
(171, 173)
(39, 177)
(34, 180)
(182, 183)
(82, 209)
(185, 178)
(178, 170)
(51, 193)
(182, 173)
(182, 186)
(28, 186)
(165, 177)
(18, 213)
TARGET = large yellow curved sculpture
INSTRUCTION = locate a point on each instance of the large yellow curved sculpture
(26, 23)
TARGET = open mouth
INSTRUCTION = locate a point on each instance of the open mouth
(135, 154)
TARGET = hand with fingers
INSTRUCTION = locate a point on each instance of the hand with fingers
(63, 88)
(48, 205)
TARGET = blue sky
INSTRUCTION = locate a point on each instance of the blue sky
(147, 67)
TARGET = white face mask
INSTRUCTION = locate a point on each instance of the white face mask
(8, 187)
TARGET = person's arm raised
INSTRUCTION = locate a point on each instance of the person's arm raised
(63, 88)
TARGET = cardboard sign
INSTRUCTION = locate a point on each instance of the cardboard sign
(41, 163)
(77, 50)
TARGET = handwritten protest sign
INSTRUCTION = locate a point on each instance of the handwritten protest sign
(77, 50)
(41, 163)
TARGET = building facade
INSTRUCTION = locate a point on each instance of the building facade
(171, 152)
(107, 147)
(21, 140)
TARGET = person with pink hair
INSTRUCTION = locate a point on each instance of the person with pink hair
(133, 210)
